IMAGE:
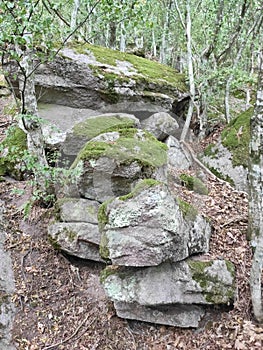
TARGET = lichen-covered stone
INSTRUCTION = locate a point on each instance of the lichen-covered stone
(148, 227)
(228, 159)
(86, 76)
(79, 239)
(78, 210)
(170, 293)
(114, 161)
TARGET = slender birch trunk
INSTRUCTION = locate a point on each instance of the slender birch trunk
(255, 230)
(190, 71)
(123, 38)
(74, 15)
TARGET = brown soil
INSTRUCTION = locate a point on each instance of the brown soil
(61, 305)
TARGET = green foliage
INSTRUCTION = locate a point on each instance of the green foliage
(44, 180)
(236, 136)
(221, 176)
(12, 150)
(194, 184)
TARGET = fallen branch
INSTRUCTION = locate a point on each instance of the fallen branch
(71, 336)
(236, 219)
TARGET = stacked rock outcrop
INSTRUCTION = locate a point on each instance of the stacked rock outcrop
(121, 211)
(152, 240)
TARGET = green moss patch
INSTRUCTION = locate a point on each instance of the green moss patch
(213, 290)
(93, 127)
(194, 184)
(211, 151)
(141, 186)
(54, 243)
(148, 71)
(188, 210)
(236, 136)
(221, 176)
(132, 145)
(12, 150)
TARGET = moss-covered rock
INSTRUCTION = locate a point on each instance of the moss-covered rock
(95, 126)
(113, 162)
(216, 278)
(188, 210)
(228, 159)
(130, 145)
(193, 184)
(141, 69)
(12, 150)
(87, 76)
(235, 137)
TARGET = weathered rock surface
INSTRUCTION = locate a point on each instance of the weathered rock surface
(78, 210)
(161, 125)
(149, 227)
(93, 77)
(175, 291)
(185, 316)
(86, 130)
(220, 162)
(114, 161)
(76, 231)
(177, 158)
(229, 158)
(80, 239)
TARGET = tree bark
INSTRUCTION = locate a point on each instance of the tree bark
(190, 71)
(255, 229)
(74, 14)
(123, 38)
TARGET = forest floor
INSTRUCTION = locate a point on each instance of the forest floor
(61, 305)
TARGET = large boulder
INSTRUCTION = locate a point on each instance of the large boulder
(113, 162)
(149, 226)
(68, 129)
(189, 286)
(161, 125)
(87, 76)
(86, 130)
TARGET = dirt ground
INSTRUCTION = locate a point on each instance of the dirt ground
(61, 305)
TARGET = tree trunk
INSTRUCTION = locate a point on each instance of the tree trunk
(190, 72)
(163, 49)
(154, 50)
(112, 35)
(123, 38)
(255, 229)
(29, 110)
(74, 14)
